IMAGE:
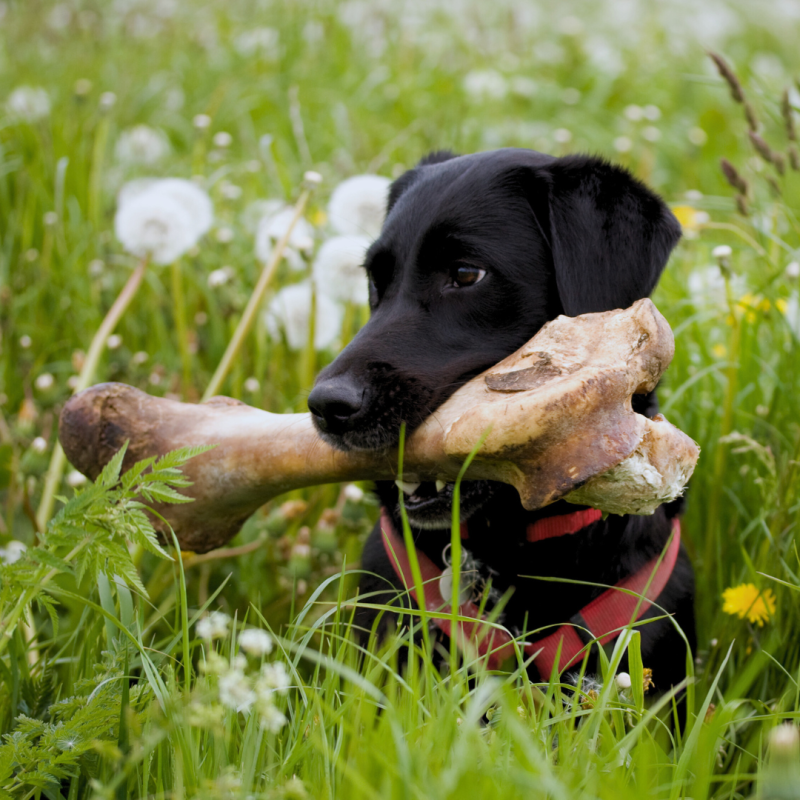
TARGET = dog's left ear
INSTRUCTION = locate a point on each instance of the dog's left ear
(610, 235)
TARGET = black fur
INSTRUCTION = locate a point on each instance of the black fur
(553, 235)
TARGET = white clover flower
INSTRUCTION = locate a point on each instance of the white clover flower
(44, 382)
(255, 642)
(338, 269)
(358, 205)
(235, 691)
(214, 626)
(273, 227)
(485, 83)
(272, 719)
(353, 493)
(141, 145)
(264, 42)
(75, 479)
(274, 677)
(157, 225)
(39, 444)
(290, 312)
(28, 103)
(12, 552)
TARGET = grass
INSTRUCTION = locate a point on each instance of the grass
(357, 88)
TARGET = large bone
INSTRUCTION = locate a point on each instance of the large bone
(556, 415)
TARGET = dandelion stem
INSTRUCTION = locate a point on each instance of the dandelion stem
(246, 322)
(58, 459)
(179, 311)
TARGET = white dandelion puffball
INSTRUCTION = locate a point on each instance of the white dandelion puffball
(485, 83)
(156, 225)
(141, 145)
(290, 312)
(193, 198)
(214, 626)
(338, 269)
(133, 189)
(255, 642)
(273, 227)
(358, 205)
(28, 103)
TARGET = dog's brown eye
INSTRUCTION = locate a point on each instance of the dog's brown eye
(466, 275)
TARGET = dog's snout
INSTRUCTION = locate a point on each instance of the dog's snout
(335, 402)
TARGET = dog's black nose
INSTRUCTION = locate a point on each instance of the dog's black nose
(334, 403)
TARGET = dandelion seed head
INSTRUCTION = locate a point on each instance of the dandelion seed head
(141, 145)
(39, 444)
(155, 224)
(252, 385)
(96, 267)
(358, 206)
(273, 227)
(114, 342)
(722, 251)
(28, 103)
(263, 42)
(201, 121)
(338, 269)
(107, 101)
(651, 133)
(623, 144)
(792, 270)
(25, 341)
(634, 113)
(562, 135)
(44, 382)
(290, 312)
(697, 136)
(312, 177)
(222, 139)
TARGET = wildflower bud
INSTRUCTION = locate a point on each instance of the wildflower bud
(623, 681)
(723, 255)
(312, 178)
(82, 87)
(107, 101)
(750, 116)
(355, 494)
(75, 479)
(201, 122)
(39, 444)
(44, 382)
(794, 158)
(781, 778)
(222, 139)
(760, 145)
(647, 679)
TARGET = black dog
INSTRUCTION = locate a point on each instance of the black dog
(477, 252)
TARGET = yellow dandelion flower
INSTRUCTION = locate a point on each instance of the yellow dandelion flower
(719, 350)
(690, 218)
(647, 679)
(746, 600)
(319, 218)
(781, 305)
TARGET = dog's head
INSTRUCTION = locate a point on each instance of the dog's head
(477, 252)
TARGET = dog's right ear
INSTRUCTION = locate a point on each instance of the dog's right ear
(407, 178)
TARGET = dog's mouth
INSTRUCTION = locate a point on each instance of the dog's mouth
(429, 505)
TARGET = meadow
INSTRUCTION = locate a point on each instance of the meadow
(130, 670)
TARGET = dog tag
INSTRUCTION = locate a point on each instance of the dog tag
(446, 586)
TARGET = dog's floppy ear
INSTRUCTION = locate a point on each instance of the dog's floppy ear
(407, 178)
(610, 235)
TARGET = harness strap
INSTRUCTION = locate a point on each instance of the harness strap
(602, 619)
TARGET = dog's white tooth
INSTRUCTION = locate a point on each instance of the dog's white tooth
(440, 485)
(408, 488)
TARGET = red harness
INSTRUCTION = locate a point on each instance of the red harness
(603, 619)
